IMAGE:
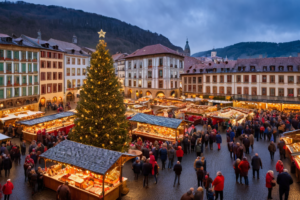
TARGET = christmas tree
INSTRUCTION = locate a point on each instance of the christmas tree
(100, 119)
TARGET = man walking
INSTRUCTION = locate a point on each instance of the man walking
(147, 169)
(177, 169)
(272, 150)
(256, 164)
(218, 184)
(163, 156)
(284, 180)
(219, 140)
(244, 168)
(171, 155)
(246, 143)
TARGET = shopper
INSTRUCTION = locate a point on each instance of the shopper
(219, 140)
(171, 155)
(200, 176)
(237, 170)
(199, 194)
(179, 154)
(63, 192)
(272, 149)
(270, 183)
(136, 167)
(163, 157)
(177, 169)
(155, 171)
(279, 166)
(256, 164)
(147, 169)
(284, 180)
(218, 185)
(244, 168)
(7, 189)
(7, 164)
(189, 195)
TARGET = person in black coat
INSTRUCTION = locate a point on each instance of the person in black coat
(147, 169)
(185, 144)
(145, 152)
(200, 176)
(211, 140)
(177, 169)
(246, 143)
(136, 169)
(7, 164)
(256, 164)
(284, 180)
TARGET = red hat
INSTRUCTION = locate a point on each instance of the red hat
(206, 177)
(33, 150)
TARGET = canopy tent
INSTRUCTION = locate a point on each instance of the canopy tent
(4, 137)
(19, 116)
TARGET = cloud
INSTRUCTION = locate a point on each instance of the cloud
(207, 23)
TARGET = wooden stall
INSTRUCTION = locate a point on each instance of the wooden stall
(161, 128)
(93, 173)
(52, 124)
(4, 138)
(232, 114)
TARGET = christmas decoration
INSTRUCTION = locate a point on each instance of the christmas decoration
(100, 110)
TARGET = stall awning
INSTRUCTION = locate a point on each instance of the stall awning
(159, 121)
(46, 118)
(4, 137)
(87, 157)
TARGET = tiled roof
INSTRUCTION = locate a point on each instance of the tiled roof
(155, 120)
(64, 45)
(87, 157)
(153, 50)
(3, 35)
(116, 56)
(39, 43)
(16, 41)
(190, 61)
(46, 118)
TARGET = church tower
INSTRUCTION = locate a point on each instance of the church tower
(187, 50)
(74, 39)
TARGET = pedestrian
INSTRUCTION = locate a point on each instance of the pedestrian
(210, 194)
(23, 147)
(251, 138)
(198, 147)
(189, 195)
(179, 154)
(197, 164)
(281, 147)
(7, 164)
(240, 152)
(284, 180)
(147, 169)
(152, 162)
(177, 169)
(33, 156)
(219, 140)
(207, 181)
(235, 150)
(230, 148)
(40, 178)
(270, 183)
(32, 146)
(244, 168)
(63, 192)
(246, 143)
(199, 194)
(200, 176)
(211, 140)
(279, 166)
(7, 189)
(193, 142)
(171, 155)
(33, 181)
(163, 157)
(145, 152)
(206, 140)
(272, 149)
(186, 145)
(136, 167)
(218, 185)
(256, 164)
(237, 170)
(155, 171)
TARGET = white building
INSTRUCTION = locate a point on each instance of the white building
(119, 65)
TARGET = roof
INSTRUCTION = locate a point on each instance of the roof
(64, 45)
(153, 50)
(4, 137)
(155, 120)
(87, 157)
(38, 42)
(4, 35)
(117, 56)
(46, 118)
(16, 41)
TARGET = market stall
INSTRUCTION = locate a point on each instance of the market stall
(232, 114)
(93, 173)
(219, 103)
(4, 138)
(12, 118)
(194, 113)
(154, 127)
(52, 124)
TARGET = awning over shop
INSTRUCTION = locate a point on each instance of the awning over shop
(155, 120)
(19, 116)
(4, 137)
(87, 157)
(46, 118)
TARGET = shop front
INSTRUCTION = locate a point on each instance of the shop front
(157, 128)
(93, 173)
(52, 124)
(285, 107)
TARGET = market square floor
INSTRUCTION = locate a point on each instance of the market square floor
(216, 161)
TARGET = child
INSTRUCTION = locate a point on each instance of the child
(23, 147)
(210, 194)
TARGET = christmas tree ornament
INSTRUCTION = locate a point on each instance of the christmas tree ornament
(81, 138)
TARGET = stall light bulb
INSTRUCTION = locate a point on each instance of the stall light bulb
(81, 138)
(103, 127)
(86, 136)
(103, 145)
(111, 142)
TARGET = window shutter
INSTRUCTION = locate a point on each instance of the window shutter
(1, 67)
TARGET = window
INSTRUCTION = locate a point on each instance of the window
(54, 87)
(17, 92)
(207, 89)
(189, 88)
(78, 71)
(129, 75)
(35, 55)
(246, 90)
(49, 55)
(9, 80)
(23, 55)
(43, 64)
(73, 61)
(185, 80)
(29, 67)
(29, 91)
(280, 68)
(43, 54)
(60, 65)
(54, 64)
(160, 84)
(48, 64)
(214, 79)
(228, 90)
(1, 53)
(59, 87)
(35, 67)
(180, 64)
(280, 92)
(254, 91)
(190, 80)
(252, 68)
(290, 68)
(24, 91)
(78, 83)
(194, 88)
(290, 79)
(264, 78)
(49, 76)
(59, 56)
(17, 80)
(253, 79)
(1, 67)
(134, 83)
(29, 55)
(68, 71)
(1, 80)
(290, 92)
(30, 79)
(43, 76)
(54, 75)
(221, 90)
(59, 75)
(160, 62)
(281, 79)
(73, 83)
(83, 71)
(83, 61)
(8, 92)
(150, 63)
(199, 79)
(207, 79)
(129, 83)
(221, 79)
(238, 78)
(16, 67)
(272, 91)
(23, 67)
(160, 73)
(194, 80)
(200, 88)
(298, 92)
(24, 80)
(171, 84)
(43, 89)
(78, 61)
(264, 68)
(229, 79)
(246, 78)
(149, 74)
(149, 84)
(272, 68)
(215, 89)
(73, 71)
(36, 80)
(1, 93)
(272, 79)
(16, 55)
(55, 55)
(175, 84)
(239, 90)
(264, 91)
(49, 88)
(36, 89)
(298, 79)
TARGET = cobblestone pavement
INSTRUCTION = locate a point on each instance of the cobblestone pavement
(216, 161)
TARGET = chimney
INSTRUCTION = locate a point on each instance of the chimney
(260, 56)
(39, 35)
(74, 39)
(298, 54)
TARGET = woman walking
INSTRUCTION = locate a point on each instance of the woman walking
(270, 183)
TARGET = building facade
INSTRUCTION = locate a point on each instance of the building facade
(119, 65)
(153, 70)
(19, 75)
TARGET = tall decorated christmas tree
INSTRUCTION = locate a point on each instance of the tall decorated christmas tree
(100, 119)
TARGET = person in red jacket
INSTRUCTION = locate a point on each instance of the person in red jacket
(279, 166)
(269, 181)
(152, 161)
(179, 154)
(244, 167)
(7, 189)
(218, 185)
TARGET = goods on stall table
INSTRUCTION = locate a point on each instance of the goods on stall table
(156, 130)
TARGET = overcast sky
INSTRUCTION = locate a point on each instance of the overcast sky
(206, 23)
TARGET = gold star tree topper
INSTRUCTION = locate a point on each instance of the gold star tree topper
(101, 34)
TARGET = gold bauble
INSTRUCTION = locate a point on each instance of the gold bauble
(81, 138)
(111, 142)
